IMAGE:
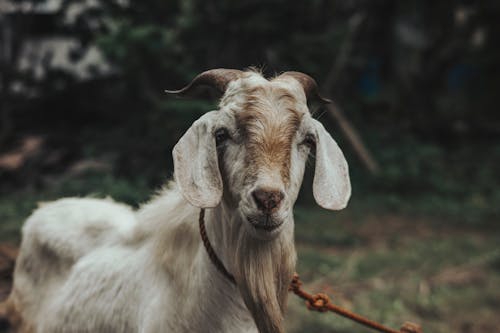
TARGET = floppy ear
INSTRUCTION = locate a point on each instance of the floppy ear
(196, 168)
(331, 184)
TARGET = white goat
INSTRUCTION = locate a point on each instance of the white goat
(89, 265)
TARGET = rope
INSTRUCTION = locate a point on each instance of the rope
(211, 253)
(316, 302)
(321, 302)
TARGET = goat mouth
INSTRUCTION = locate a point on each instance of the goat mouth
(268, 225)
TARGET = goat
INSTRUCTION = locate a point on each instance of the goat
(93, 265)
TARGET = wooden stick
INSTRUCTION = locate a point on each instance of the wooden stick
(353, 138)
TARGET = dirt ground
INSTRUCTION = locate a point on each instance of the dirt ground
(399, 268)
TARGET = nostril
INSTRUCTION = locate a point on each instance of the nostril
(268, 200)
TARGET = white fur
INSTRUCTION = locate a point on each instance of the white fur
(90, 265)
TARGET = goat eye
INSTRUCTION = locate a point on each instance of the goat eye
(309, 141)
(221, 135)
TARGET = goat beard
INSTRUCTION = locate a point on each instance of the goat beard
(263, 272)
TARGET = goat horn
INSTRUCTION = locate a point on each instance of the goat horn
(310, 86)
(214, 78)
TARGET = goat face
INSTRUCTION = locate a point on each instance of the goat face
(251, 152)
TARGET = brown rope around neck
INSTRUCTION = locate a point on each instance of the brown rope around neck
(318, 302)
(210, 250)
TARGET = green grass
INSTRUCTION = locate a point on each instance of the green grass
(395, 269)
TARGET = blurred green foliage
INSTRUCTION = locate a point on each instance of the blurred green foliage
(417, 79)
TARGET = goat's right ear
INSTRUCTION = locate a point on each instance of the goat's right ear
(196, 166)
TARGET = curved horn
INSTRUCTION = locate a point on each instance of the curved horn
(214, 78)
(310, 86)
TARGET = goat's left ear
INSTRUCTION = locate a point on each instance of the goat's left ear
(331, 184)
(196, 167)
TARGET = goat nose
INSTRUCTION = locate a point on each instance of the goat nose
(268, 200)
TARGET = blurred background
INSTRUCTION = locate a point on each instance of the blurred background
(82, 112)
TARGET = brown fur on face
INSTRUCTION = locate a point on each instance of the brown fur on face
(269, 122)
